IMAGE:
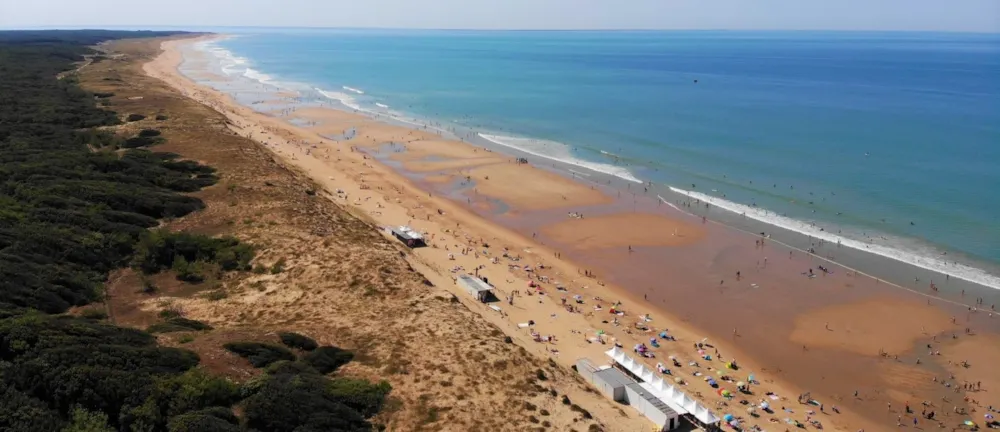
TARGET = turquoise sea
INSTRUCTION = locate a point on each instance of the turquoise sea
(885, 141)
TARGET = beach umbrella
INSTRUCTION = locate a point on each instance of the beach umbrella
(741, 384)
(728, 417)
(970, 423)
(726, 393)
(600, 332)
(678, 380)
(671, 357)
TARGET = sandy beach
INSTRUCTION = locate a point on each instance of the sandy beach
(562, 251)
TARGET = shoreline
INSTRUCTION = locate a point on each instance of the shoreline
(981, 276)
(483, 224)
(907, 247)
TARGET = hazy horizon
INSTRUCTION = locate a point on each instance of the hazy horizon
(973, 16)
(221, 29)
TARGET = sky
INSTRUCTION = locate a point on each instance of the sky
(889, 15)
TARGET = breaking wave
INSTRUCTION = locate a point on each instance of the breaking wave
(256, 75)
(344, 98)
(559, 152)
(353, 90)
(925, 260)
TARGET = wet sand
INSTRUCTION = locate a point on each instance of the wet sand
(628, 230)
(821, 334)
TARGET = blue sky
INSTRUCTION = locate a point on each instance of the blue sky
(919, 15)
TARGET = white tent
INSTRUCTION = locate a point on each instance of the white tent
(666, 391)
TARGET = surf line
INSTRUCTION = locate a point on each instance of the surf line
(578, 172)
(663, 200)
(832, 262)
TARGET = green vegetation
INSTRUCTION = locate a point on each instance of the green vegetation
(68, 215)
(134, 117)
(73, 208)
(178, 324)
(53, 364)
(295, 340)
(327, 359)
(94, 313)
(296, 399)
(208, 420)
(278, 266)
(189, 255)
(259, 354)
(140, 141)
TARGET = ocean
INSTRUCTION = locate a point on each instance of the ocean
(888, 142)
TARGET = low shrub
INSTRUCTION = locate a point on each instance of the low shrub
(94, 313)
(327, 359)
(258, 353)
(187, 253)
(278, 266)
(178, 324)
(215, 295)
(140, 141)
(215, 419)
(295, 340)
(360, 395)
(168, 313)
(289, 367)
(149, 133)
(540, 374)
(134, 117)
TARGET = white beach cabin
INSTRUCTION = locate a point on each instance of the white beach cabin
(476, 287)
(408, 236)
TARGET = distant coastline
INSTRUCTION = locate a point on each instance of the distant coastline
(899, 247)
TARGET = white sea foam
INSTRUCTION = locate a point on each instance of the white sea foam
(924, 259)
(230, 63)
(353, 90)
(344, 98)
(256, 75)
(559, 152)
(233, 65)
(381, 105)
